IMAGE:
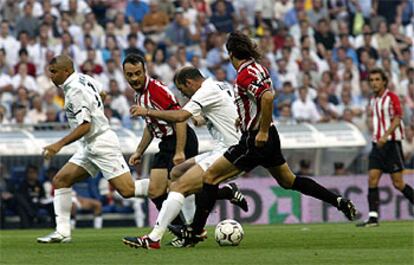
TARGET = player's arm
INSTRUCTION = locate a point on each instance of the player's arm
(142, 146)
(181, 136)
(166, 115)
(73, 136)
(395, 122)
(266, 103)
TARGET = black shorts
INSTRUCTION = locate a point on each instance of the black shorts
(246, 156)
(164, 158)
(389, 158)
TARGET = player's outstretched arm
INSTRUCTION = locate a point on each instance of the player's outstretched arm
(142, 146)
(73, 136)
(166, 115)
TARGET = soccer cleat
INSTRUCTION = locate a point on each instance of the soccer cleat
(371, 222)
(238, 198)
(185, 236)
(141, 242)
(348, 208)
(54, 237)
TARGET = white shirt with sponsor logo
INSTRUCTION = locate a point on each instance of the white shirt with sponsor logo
(83, 103)
(215, 101)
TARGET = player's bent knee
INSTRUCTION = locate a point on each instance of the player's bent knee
(399, 185)
(154, 192)
(61, 181)
(127, 192)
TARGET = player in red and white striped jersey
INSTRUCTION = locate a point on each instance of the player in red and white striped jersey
(178, 140)
(259, 143)
(386, 154)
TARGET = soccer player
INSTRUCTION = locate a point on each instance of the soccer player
(259, 143)
(99, 149)
(386, 153)
(178, 140)
(214, 101)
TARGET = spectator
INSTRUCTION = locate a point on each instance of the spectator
(327, 110)
(88, 204)
(324, 37)
(304, 109)
(27, 22)
(136, 10)
(24, 59)
(37, 114)
(119, 103)
(285, 115)
(155, 22)
(23, 79)
(339, 169)
(408, 147)
(132, 46)
(220, 18)
(177, 31)
(29, 199)
(304, 168)
(7, 43)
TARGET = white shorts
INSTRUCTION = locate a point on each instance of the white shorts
(102, 154)
(205, 160)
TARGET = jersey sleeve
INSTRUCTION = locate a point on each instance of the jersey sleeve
(396, 110)
(163, 99)
(82, 106)
(255, 82)
(203, 98)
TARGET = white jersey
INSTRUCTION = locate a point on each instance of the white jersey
(215, 101)
(83, 103)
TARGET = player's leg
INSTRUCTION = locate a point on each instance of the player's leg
(96, 207)
(186, 184)
(62, 200)
(399, 184)
(218, 172)
(286, 179)
(374, 176)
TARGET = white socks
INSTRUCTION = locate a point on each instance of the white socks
(170, 209)
(97, 222)
(62, 203)
(141, 187)
(139, 214)
(373, 214)
(189, 208)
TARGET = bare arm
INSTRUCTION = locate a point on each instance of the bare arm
(266, 103)
(166, 115)
(181, 134)
(145, 141)
(396, 121)
(74, 135)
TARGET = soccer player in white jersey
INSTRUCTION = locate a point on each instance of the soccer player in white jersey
(100, 148)
(214, 101)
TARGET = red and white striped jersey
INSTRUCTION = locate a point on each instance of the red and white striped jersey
(383, 109)
(252, 81)
(157, 96)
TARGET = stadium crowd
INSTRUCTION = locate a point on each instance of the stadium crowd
(318, 52)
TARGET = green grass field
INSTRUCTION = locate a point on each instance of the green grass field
(390, 244)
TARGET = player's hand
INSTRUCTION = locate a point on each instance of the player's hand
(178, 158)
(51, 150)
(237, 124)
(135, 159)
(137, 111)
(381, 142)
(198, 121)
(261, 139)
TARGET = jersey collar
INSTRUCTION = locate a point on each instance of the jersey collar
(244, 65)
(68, 80)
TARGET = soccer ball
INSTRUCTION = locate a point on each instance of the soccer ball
(228, 233)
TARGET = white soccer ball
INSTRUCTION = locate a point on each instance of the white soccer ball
(229, 233)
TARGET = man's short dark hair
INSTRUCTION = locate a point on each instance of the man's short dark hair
(380, 71)
(133, 58)
(187, 73)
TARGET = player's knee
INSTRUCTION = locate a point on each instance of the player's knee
(60, 181)
(154, 192)
(209, 177)
(127, 192)
(399, 185)
(175, 173)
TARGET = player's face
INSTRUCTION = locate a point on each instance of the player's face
(135, 75)
(377, 83)
(185, 89)
(57, 75)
